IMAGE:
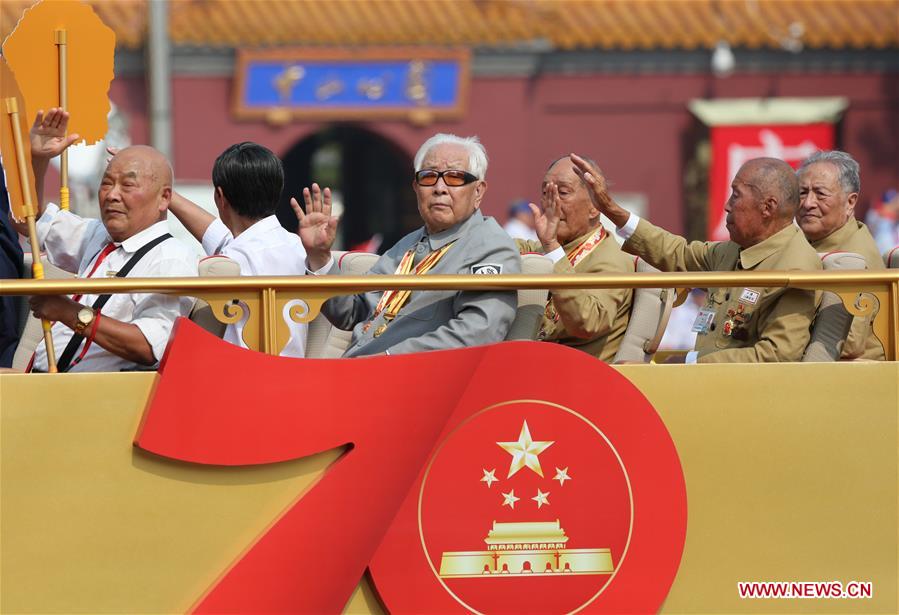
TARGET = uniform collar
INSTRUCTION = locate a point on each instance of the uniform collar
(258, 229)
(752, 256)
(438, 240)
(139, 240)
(839, 237)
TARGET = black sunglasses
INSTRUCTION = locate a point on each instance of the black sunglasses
(451, 177)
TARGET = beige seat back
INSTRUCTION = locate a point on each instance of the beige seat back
(32, 333)
(891, 258)
(531, 302)
(650, 311)
(832, 321)
(325, 341)
(328, 342)
(317, 333)
(217, 266)
(319, 329)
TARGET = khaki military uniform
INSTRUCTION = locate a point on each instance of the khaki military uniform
(592, 320)
(855, 237)
(746, 325)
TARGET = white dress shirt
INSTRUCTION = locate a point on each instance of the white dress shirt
(263, 249)
(74, 243)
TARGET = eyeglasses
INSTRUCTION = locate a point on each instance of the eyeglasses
(451, 177)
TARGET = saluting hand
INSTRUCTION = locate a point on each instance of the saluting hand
(598, 190)
(546, 222)
(48, 133)
(318, 227)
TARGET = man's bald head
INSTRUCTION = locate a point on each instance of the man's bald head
(135, 191)
(152, 160)
(774, 178)
(764, 198)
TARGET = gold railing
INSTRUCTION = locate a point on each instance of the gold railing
(266, 297)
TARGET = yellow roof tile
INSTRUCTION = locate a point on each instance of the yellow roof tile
(566, 24)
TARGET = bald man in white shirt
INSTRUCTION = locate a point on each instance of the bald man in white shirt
(129, 331)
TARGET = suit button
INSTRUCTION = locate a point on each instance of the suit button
(420, 248)
(712, 328)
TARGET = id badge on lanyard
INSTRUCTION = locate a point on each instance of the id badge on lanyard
(704, 320)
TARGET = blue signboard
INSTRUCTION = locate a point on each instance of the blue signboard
(283, 84)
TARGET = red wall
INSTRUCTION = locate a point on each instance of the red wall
(637, 127)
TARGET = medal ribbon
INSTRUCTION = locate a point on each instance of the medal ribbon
(392, 301)
(579, 253)
(586, 247)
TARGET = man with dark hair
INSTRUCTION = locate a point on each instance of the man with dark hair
(248, 179)
(829, 184)
(737, 325)
(570, 234)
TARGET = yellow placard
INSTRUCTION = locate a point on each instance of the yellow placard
(34, 56)
(18, 194)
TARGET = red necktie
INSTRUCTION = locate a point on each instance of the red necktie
(106, 251)
(110, 247)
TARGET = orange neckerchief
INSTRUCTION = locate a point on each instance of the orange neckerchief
(579, 253)
(392, 301)
(586, 247)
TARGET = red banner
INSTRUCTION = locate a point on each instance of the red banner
(734, 145)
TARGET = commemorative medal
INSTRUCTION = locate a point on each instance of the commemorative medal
(728, 327)
(550, 312)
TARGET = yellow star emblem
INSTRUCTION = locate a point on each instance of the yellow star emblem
(524, 452)
(561, 476)
(489, 477)
(510, 499)
(541, 498)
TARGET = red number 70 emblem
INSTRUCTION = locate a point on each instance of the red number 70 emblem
(219, 405)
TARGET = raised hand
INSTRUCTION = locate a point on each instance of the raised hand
(111, 152)
(317, 228)
(546, 222)
(598, 190)
(48, 134)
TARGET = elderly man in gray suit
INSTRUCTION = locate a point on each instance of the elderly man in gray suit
(455, 239)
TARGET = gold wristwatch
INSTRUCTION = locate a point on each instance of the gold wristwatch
(83, 320)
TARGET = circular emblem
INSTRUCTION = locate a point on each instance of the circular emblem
(531, 506)
(544, 521)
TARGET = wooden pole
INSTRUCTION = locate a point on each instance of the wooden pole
(37, 268)
(62, 45)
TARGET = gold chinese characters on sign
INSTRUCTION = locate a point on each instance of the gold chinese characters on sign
(418, 84)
